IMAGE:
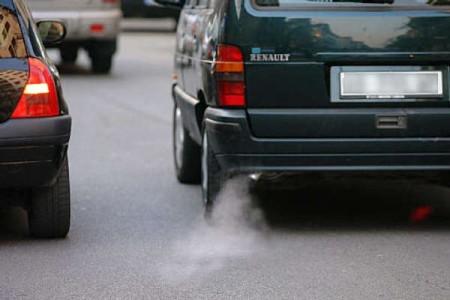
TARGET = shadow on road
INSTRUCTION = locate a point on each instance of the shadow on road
(357, 205)
(13, 225)
(74, 69)
(148, 25)
(325, 206)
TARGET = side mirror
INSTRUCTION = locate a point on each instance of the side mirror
(172, 3)
(51, 32)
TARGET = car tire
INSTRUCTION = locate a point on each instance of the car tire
(211, 175)
(101, 64)
(186, 152)
(69, 53)
(49, 213)
(101, 54)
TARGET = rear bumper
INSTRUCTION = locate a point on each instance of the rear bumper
(32, 151)
(237, 150)
(79, 23)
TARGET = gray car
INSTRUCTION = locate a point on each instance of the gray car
(92, 24)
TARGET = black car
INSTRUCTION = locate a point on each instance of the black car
(35, 124)
(312, 87)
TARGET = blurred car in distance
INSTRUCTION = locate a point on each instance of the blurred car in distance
(147, 9)
(35, 124)
(91, 24)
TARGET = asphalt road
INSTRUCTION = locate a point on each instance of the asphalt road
(138, 234)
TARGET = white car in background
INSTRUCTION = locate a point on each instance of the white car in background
(91, 24)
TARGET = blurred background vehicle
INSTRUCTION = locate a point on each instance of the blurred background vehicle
(93, 25)
(147, 9)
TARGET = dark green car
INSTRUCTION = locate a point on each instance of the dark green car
(311, 86)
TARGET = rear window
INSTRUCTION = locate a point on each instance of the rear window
(11, 39)
(297, 3)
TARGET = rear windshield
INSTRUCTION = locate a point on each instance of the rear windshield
(11, 39)
(296, 3)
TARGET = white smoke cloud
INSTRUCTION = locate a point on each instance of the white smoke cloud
(236, 229)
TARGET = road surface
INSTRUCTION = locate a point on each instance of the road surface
(138, 234)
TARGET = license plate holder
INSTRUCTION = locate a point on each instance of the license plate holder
(372, 84)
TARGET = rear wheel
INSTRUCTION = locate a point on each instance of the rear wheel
(101, 54)
(49, 213)
(186, 152)
(101, 64)
(69, 53)
(212, 177)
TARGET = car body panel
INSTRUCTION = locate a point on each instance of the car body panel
(13, 78)
(13, 62)
(62, 4)
(79, 22)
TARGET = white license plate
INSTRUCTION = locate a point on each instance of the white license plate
(391, 85)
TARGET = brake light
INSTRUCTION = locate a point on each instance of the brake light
(39, 98)
(230, 76)
(97, 28)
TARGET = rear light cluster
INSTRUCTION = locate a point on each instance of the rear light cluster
(97, 28)
(39, 98)
(111, 3)
(229, 71)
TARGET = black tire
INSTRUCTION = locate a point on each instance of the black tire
(101, 54)
(49, 214)
(212, 176)
(69, 53)
(101, 64)
(186, 153)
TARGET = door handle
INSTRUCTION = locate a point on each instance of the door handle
(391, 122)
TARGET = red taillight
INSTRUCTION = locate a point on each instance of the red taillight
(111, 2)
(39, 98)
(230, 76)
(231, 93)
(97, 28)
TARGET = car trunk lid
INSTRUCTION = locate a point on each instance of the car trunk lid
(290, 58)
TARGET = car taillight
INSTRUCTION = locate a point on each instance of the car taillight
(113, 3)
(229, 71)
(97, 28)
(39, 98)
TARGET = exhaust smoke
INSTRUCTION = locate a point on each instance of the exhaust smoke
(235, 229)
